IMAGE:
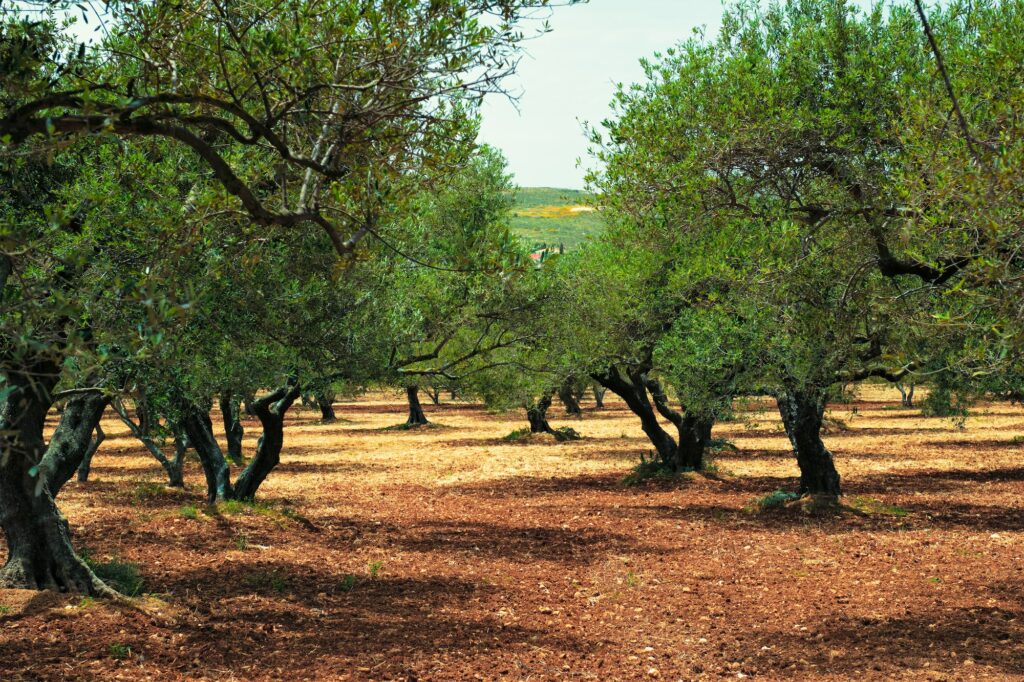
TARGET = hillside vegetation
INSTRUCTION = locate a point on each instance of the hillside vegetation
(552, 216)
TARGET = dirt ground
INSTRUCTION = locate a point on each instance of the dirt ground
(450, 554)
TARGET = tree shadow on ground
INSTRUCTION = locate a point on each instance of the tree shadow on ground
(521, 544)
(854, 646)
(249, 621)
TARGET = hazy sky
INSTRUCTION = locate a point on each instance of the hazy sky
(569, 76)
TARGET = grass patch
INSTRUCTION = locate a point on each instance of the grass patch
(413, 427)
(4, 609)
(774, 499)
(721, 445)
(256, 508)
(374, 568)
(566, 433)
(1017, 439)
(147, 491)
(123, 576)
(189, 511)
(348, 583)
(867, 505)
(546, 215)
(120, 651)
(518, 435)
(275, 580)
(650, 470)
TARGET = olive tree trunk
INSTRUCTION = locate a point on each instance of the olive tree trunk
(39, 551)
(325, 400)
(72, 439)
(270, 410)
(173, 467)
(598, 396)
(230, 410)
(633, 391)
(86, 466)
(416, 415)
(196, 424)
(568, 398)
(537, 415)
(802, 412)
(694, 436)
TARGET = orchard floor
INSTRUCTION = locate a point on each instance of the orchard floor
(450, 554)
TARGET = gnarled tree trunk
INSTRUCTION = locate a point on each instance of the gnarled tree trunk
(270, 410)
(172, 467)
(39, 551)
(416, 415)
(694, 435)
(230, 410)
(86, 466)
(634, 393)
(195, 422)
(598, 396)
(802, 411)
(72, 439)
(568, 398)
(906, 394)
(537, 414)
(325, 399)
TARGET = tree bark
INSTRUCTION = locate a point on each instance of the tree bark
(86, 466)
(568, 398)
(802, 411)
(72, 439)
(598, 396)
(537, 414)
(416, 415)
(39, 551)
(694, 435)
(196, 424)
(634, 393)
(325, 400)
(233, 429)
(435, 395)
(906, 394)
(270, 410)
(173, 468)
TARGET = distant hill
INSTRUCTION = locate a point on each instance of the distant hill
(552, 216)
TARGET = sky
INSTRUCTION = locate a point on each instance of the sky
(568, 76)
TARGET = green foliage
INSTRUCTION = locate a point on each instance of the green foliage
(777, 498)
(652, 469)
(120, 651)
(566, 433)
(867, 505)
(518, 435)
(123, 576)
(348, 583)
(275, 580)
(189, 511)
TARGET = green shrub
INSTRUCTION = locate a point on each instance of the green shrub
(776, 499)
(650, 469)
(518, 434)
(348, 583)
(123, 576)
(566, 433)
(120, 651)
